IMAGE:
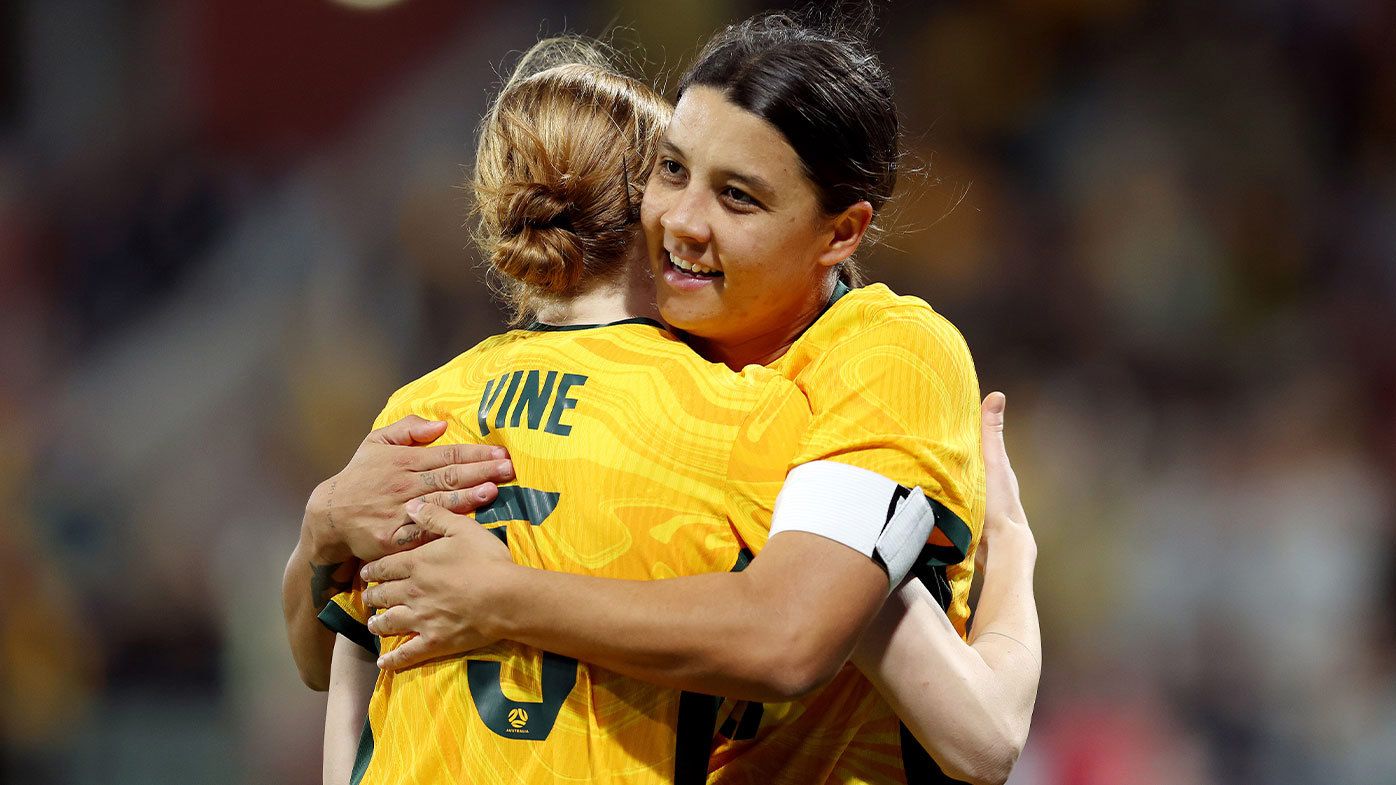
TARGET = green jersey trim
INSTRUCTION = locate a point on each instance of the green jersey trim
(539, 327)
(337, 620)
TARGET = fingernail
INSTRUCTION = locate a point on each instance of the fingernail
(499, 452)
(482, 494)
(505, 470)
(996, 402)
(380, 663)
(414, 506)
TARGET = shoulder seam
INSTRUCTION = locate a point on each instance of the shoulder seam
(865, 324)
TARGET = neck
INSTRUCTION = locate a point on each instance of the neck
(766, 347)
(623, 297)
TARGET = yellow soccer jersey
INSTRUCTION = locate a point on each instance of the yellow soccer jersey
(894, 395)
(623, 444)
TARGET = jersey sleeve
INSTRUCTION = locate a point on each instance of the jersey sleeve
(895, 408)
(347, 614)
(767, 442)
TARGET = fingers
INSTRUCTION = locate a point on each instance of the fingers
(428, 522)
(991, 426)
(397, 620)
(408, 431)
(463, 501)
(464, 475)
(412, 534)
(409, 536)
(1001, 482)
(436, 520)
(389, 568)
(428, 458)
(389, 594)
(414, 652)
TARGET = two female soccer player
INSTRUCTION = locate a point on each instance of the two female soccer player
(781, 150)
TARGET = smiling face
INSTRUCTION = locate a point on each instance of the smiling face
(744, 258)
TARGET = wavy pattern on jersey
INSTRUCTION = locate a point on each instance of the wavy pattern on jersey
(892, 389)
(803, 741)
(645, 481)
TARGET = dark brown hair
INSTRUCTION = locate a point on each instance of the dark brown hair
(822, 87)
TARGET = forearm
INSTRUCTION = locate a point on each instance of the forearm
(311, 643)
(352, 677)
(730, 645)
(752, 635)
(970, 706)
(1006, 632)
(307, 584)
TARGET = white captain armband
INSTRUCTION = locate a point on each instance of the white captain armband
(858, 508)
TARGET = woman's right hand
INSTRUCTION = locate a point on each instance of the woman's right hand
(358, 513)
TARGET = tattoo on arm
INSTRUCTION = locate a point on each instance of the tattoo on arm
(327, 580)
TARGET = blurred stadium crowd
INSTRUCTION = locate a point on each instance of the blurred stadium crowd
(230, 228)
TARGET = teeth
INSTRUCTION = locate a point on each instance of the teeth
(690, 267)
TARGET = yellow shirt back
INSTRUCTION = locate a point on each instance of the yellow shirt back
(635, 459)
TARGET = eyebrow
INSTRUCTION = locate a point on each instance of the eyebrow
(750, 181)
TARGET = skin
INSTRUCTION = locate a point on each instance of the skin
(354, 673)
(728, 194)
(351, 686)
(970, 705)
(798, 609)
(358, 515)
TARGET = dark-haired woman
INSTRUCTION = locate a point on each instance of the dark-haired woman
(560, 164)
(781, 151)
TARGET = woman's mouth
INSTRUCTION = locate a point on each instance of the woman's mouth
(692, 269)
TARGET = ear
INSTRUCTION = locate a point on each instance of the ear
(848, 228)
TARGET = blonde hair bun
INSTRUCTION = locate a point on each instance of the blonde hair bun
(537, 245)
(560, 168)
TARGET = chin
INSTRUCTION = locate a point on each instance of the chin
(690, 320)
(680, 320)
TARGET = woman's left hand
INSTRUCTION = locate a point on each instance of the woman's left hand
(440, 591)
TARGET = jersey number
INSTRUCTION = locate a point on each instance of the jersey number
(532, 720)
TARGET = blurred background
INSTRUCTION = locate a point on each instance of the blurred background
(230, 228)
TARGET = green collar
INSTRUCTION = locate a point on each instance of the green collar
(840, 289)
(539, 327)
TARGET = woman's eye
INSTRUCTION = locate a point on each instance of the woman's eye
(740, 197)
(670, 167)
